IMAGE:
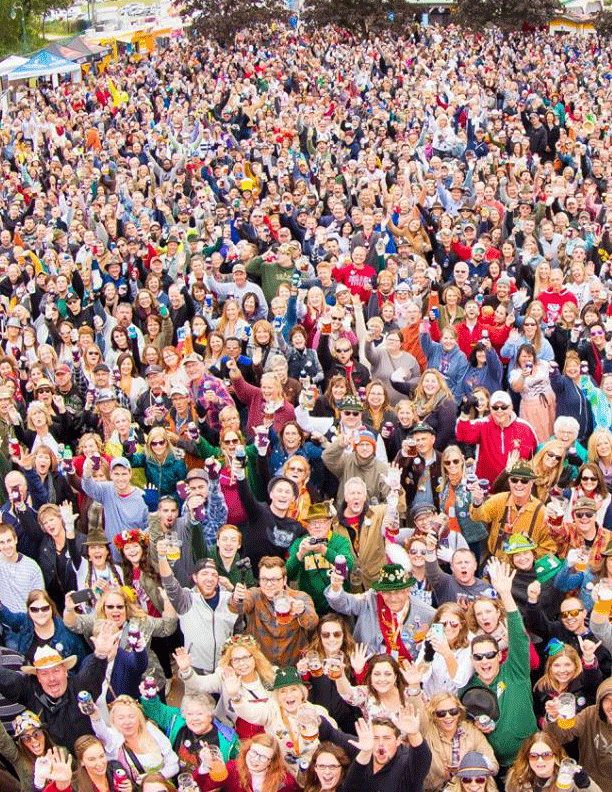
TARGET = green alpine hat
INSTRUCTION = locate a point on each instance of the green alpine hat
(393, 577)
(518, 543)
(547, 567)
(320, 511)
(350, 402)
(285, 677)
(522, 469)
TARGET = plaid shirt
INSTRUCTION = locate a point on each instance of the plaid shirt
(282, 644)
(568, 536)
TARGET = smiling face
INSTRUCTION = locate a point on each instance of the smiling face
(430, 385)
(133, 552)
(34, 741)
(541, 759)
(486, 615)
(563, 670)
(383, 678)
(258, 757)
(53, 681)
(328, 770)
(281, 496)
(290, 698)
(40, 612)
(444, 717)
(94, 760)
(573, 615)
(197, 717)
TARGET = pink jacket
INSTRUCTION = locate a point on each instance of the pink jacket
(251, 396)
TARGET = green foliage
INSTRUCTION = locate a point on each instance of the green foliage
(505, 14)
(361, 17)
(223, 19)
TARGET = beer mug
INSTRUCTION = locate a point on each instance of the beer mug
(218, 771)
(174, 547)
(566, 703)
(565, 776)
(282, 608)
(315, 664)
(604, 603)
(333, 665)
(308, 723)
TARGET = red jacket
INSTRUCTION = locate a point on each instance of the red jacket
(553, 302)
(357, 280)
(495, 443)
(232, 782)
(466, 338)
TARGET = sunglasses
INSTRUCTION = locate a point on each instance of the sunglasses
(543, 755)
(354, 413)
(478, 656)
(115, 607)
(417, 552)
(158, 442)
(588, 478)
(517, 480)
(583, 515)
(497, 407)
(344, 349)
(39, 608)
(35, 734)
(597, 332)
(453, 624)
(450, 462)
(443, 713)
(474, 780)
(558, 457)
(571, 613)
(44, 390)
(335, 634)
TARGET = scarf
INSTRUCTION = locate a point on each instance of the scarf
(391, 630)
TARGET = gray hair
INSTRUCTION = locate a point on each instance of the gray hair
(204, 699)
(566, 422)
(355, 480)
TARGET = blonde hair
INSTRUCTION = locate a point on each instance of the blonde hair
(263, 666)
(597, 436)
(547, 681)
(36, 407)
(424, 405)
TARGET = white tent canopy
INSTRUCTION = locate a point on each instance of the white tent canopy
(43, 64)
(11, 63)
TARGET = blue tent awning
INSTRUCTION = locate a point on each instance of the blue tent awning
(43, 64)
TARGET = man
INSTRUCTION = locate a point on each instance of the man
(582, 532)
(384, 762)
(204, 512)
(312, 556)
(420, 474)
(463, 585)
(47, 690)
(357, 275)
(336, 357)
(554, 298)
(19, 513)
(206, 390)
(124, 506)
(509, 682)
(238, 288)
(203, 610)
(18, 573)
(497, 435)
(67, 389)
(571, 628)
(389, 619)
(153, 404)
(350, 456)
(282, 634)
(517, 512)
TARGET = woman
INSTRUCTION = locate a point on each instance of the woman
(451, 312)
(434, 403)
(484, 369)
(450, 736)
(133, 741)
(298, 469)
(155, 782)
(56, 550)
(327, 769)
(455, 500)
(231, 323)
(126, 432)
(331, 637)
(191, 726)
(548, 464)
(326, 406)
(173, 369)
(570, 395)
(259, 767)
(31, 741)
(536, 767)
(263, 344)
(590, 483)
(266, 404)
(377, 413)
(129, 382)
(445, 357)
(451, 666)
(384, 690)
(44, 478)
(163, 468)
(94, 772)
(118, 605)
(157, 333)
(95, 569)
(530, 379)
(41, 430)
(474, 774)
(279, 714)
(138, 571)
(388, 358)
(241, 657)
(531, 336)
(600, 452)
(214, 350)
(421, 588)
(570, 579)
(561, 333)
(251, 309)
(41, 624)
(564, 672)
(120, 344)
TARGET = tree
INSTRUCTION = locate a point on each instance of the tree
(361, 17)
(221, 20)
(603, 23)
(506, 14)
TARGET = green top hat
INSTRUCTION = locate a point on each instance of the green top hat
(285, 677)
(522, 469)
(393, 577)
(320, 511)
(518, 543)
(350, 402)
(547, 567)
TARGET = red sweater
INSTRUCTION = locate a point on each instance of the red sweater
(357, 280)
(232, 782)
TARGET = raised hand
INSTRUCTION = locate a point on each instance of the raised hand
(365, 737)
(104, 642)
(231, 681)
(501, 577)
(183, 658)
(588, 649)
(408, 721)
(534, 590)
(61, 767)
(412, 673)
(359, 657)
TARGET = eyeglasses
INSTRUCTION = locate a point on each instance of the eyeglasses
(39, 608)
(354, 413)
(267, 581)
(241, 658)
(453, 624)
(115, 607)
(571, 613)
(158, 442)
(543, 755)
(450, 462)
(550, 454)
(442, 713)
(344, 349)
(497, 407)
(231, 441)
(256, 755)
(334, 634)
(327, 766)
(474, 780)
(517, 480)
(415, 551)
(44, 390)
(35, 734)
(583, 515)
(478, 656)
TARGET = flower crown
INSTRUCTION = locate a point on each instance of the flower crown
(125, 537)
(239, 640)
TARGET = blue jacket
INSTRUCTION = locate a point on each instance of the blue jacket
(128, 668)
(64, 640)
(472, 530)
(489, 376)
(165, 476)
(572, 401)
(452, 365)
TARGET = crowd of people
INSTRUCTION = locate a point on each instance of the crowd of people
(306, 418)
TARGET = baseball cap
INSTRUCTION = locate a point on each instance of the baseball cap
(500, 397)
(120, 462)
(153, 369)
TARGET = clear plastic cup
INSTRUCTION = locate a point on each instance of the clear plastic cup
(566, 703)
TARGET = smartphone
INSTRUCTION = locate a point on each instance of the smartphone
(437, 631)
(83, 596)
